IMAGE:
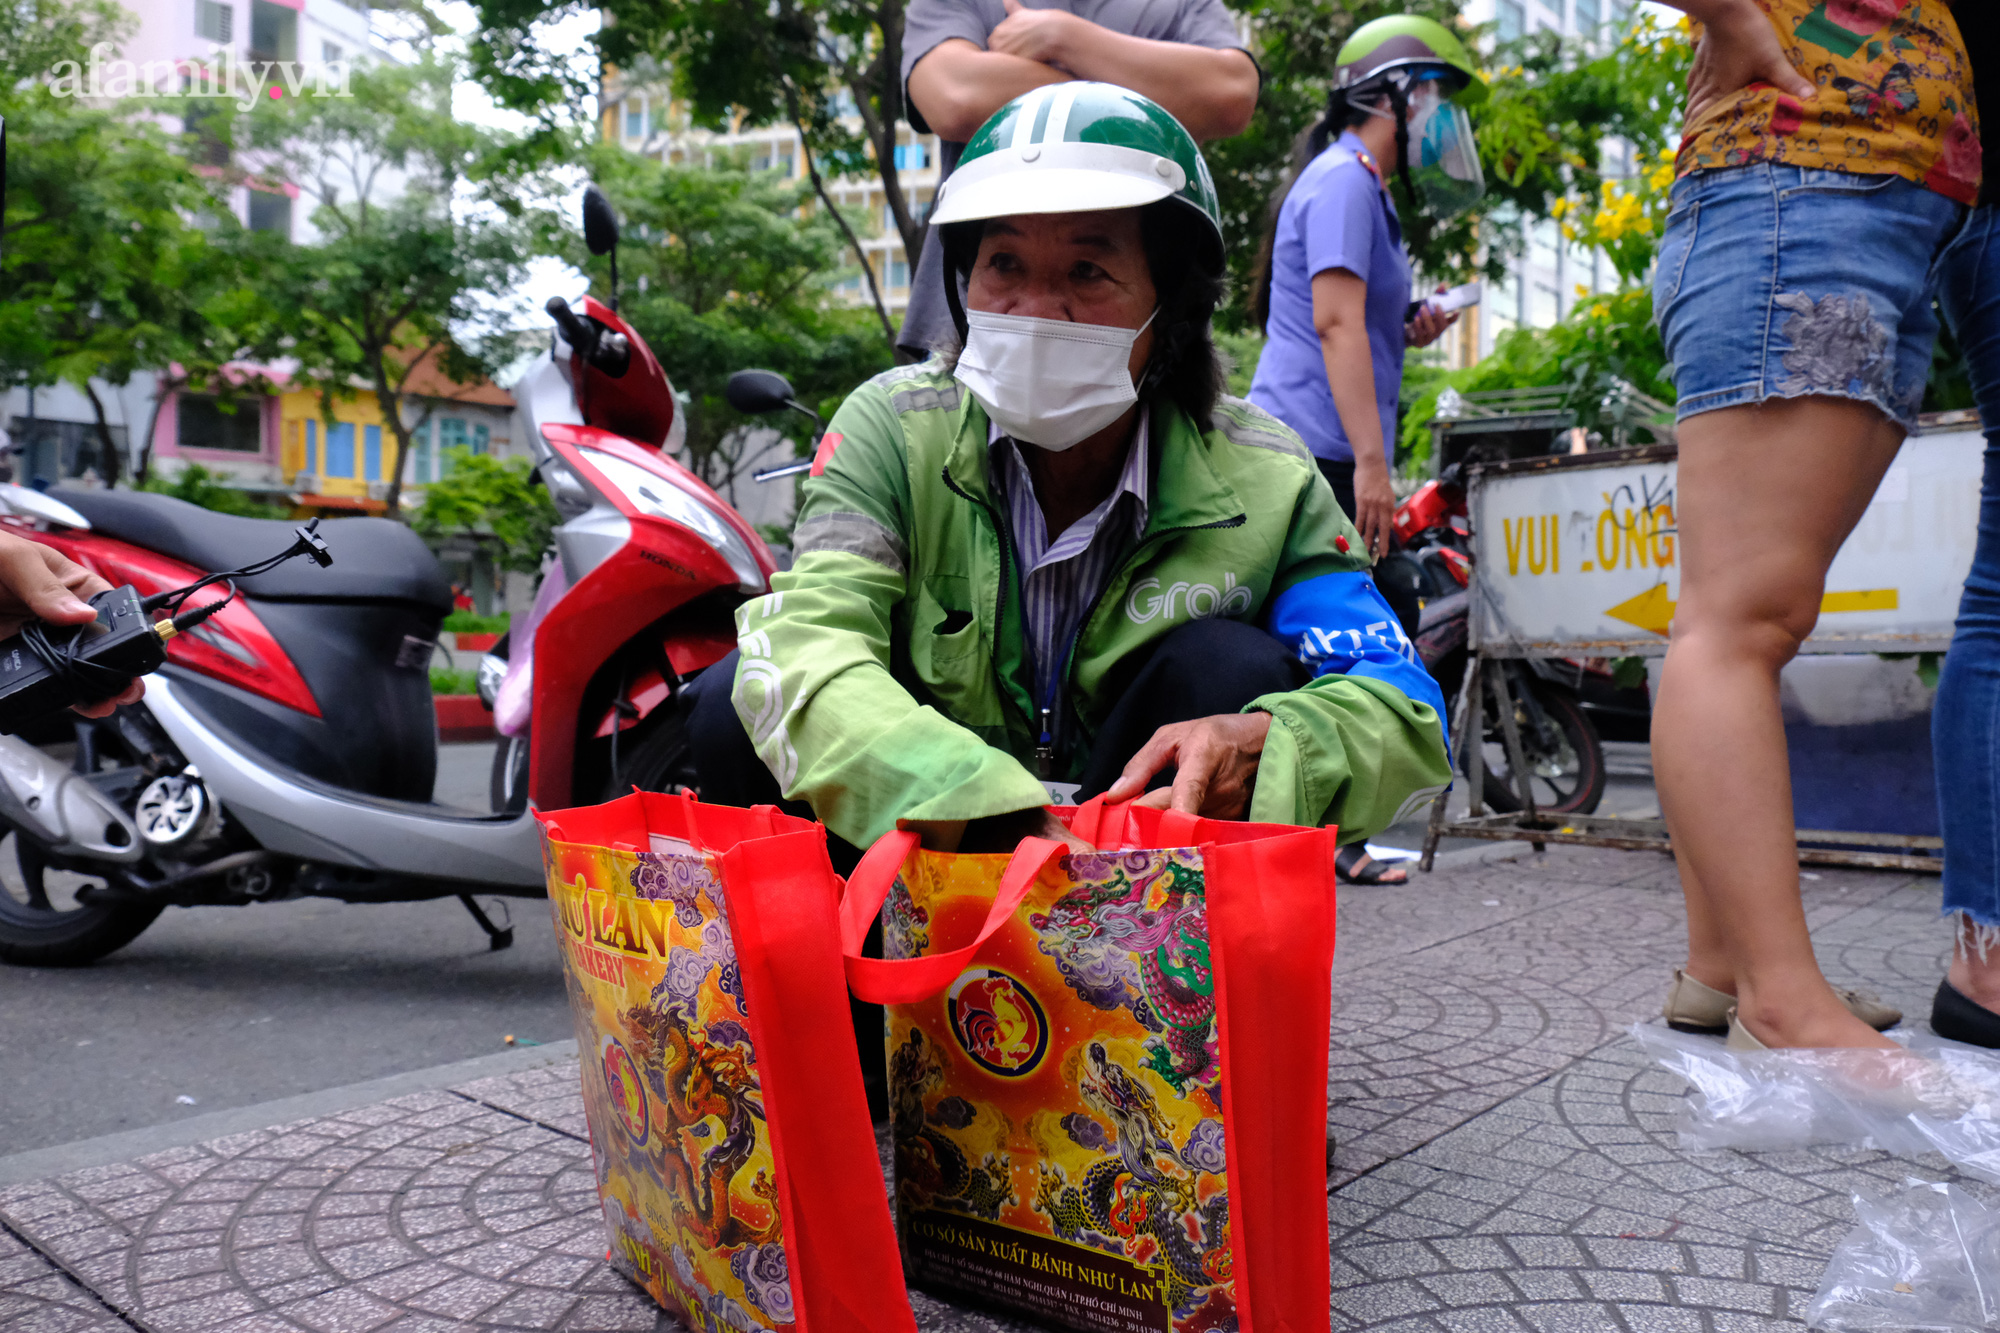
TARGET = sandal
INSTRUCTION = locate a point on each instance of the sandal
(1353, 865)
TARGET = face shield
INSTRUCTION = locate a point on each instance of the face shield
(1444, 160)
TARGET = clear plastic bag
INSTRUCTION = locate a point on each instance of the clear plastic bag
(1935, 1096)
(1926, 1260)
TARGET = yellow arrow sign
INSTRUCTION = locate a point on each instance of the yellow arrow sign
(1652, 610)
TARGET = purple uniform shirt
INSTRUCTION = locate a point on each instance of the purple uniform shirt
(1337, 216)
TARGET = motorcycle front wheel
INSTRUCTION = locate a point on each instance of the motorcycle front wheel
(507, 784)
(656, 755)
(1560, 745)
(43, 923)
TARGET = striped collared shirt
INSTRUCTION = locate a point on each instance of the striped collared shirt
(1061, 579)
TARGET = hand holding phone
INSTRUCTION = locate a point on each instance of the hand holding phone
(1458, 298)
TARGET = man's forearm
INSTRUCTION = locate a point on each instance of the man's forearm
(957, 86)
(1211, 92)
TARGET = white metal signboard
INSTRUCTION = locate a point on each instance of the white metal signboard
(1583, 558)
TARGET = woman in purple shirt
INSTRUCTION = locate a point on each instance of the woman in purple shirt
(1333, 284)
(1332, 287)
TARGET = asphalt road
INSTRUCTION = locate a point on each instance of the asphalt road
(230, 1006)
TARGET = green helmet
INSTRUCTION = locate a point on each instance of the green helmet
(1402, 41)
(1075, 148)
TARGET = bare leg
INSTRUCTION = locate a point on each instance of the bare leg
(1708, 949)
(1975, 964)
(1766, 495)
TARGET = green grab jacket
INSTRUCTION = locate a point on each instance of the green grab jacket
(885, 676)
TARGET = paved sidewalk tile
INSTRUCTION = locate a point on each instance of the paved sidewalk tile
(1504, 1157)
(36, 1297)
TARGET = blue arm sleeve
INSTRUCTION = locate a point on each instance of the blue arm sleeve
(1339, 623)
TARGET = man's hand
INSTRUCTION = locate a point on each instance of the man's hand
(1429, 325)
(1739, 47)
(1039, 35)
(1215, 766)
(38, 582)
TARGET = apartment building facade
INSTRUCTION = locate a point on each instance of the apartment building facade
(640, 114)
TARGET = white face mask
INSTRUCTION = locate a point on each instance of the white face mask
(1051, 383)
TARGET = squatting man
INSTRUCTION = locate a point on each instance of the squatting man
(1054, 560)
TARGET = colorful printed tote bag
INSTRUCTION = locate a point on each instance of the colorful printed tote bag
(1108, 1072)
(736, 1166)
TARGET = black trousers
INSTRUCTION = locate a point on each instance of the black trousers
(1203, 668)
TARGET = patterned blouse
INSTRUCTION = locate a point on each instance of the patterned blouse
(1895, 97)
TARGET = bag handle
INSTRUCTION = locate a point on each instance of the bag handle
(1088, 821)
(1104, 825)
(910, 980)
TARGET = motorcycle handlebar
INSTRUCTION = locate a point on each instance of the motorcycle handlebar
(607, 351)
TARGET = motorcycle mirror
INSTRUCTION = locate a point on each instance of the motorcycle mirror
(600, 224)
(755, 391)
(600, 232)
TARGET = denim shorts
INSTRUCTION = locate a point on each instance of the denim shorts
(1783, 282)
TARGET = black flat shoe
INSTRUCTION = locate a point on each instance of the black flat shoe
(1956, 1018)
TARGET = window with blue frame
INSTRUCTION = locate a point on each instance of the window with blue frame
(635, 119)
(912, 157)
(340, 449)
(420, 443)
(899, 274)
(312, 446)
(371, 449)
(451, 435)
(1586, 16)
(1511, 20)
(481, 436)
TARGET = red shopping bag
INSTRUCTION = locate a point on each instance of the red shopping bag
(736, 1165)
(1108, 1072)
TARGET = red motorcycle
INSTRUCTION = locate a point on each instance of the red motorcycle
(1560, 743)
(289, 746)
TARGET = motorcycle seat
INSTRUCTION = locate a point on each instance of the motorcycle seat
(374, 559)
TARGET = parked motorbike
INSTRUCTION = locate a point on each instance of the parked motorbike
(289, 746)
(1559, 743)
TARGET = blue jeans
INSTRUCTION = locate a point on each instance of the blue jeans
(1965, 727)
(1783, 282)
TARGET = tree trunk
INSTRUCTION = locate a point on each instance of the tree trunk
(877, 90)
(390, 402)
(819, 188)
(142, 467)
(110, 454)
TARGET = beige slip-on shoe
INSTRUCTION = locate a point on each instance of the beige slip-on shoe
(1740, 1037)
(1694, 1007)
(1893, 1082)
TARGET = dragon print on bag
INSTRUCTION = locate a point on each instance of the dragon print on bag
(676, 1112)
(1059, 1140)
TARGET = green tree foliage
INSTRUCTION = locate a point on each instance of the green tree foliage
(725, 270)
(806, 62)
(198, 486)
(1541, 130)
(116, 255)
(492, 501)
(420, 216)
